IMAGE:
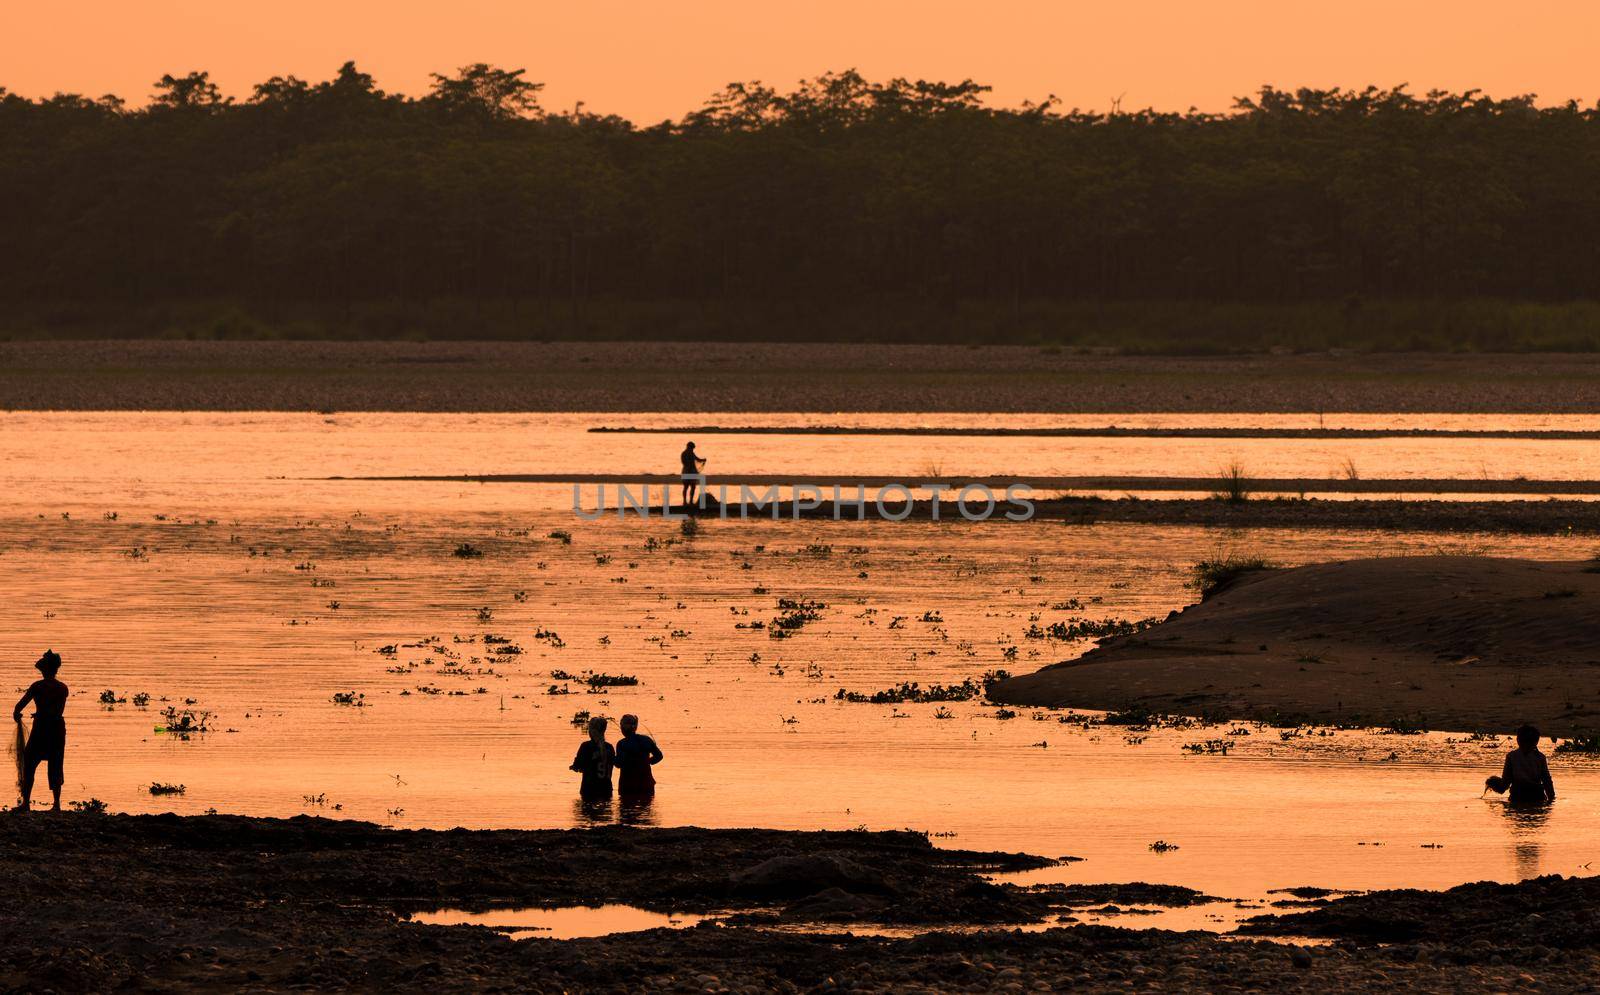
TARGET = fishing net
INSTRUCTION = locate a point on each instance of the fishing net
(17, 746)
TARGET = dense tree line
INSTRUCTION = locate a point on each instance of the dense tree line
(843, 189)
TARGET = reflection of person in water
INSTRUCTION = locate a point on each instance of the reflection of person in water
(1525, 774)
(692, 465)
(594, 761)
(636, 754)
(48, 742)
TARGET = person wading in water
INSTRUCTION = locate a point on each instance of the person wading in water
(594, 761)
(48, 741)
(636, 754)
(1525, 774)
(692, 465)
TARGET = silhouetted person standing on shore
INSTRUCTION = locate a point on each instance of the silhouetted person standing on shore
(1525, 773)
(636, 754)
(594, 761)
(692, 465)
(47, 743)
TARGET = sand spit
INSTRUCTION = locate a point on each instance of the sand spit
(1457, 643)
(166, 375)
(733, 486)
(169, 903)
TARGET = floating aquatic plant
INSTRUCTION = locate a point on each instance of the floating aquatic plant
(167, 789)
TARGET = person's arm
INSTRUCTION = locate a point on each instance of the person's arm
(27, 696)
(656, 756)
(1549, 785)
(1505, 771)
(577, 761)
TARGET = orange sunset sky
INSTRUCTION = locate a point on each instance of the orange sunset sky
(653, 60)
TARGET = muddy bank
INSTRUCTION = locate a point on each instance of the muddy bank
(1511, 517)
(1106, 432)
(698, 377)
(147, 903)
(1483, 918)
(1456, 643)
(1506, 517)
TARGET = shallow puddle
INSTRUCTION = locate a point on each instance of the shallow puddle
(570, 922)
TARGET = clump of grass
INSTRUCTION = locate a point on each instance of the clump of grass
(93, 806)
(467, 551)
(562, 536)
(1130, 717)
(1348, 469)
(1584, 742)
(167, 789)
(350, 698)
(1088, 628)
(1233, 483)
(183, 723)
(796, 613)
(912, 691)
(596, 681)
(1211, 576)
(690, 527)
(1162, 846)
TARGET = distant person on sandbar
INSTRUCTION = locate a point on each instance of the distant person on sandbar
(636, 754)
(594, 761)
(692, 465)
(1525, 774)
(47, 743)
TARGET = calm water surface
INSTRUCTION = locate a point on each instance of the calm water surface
(260, 597)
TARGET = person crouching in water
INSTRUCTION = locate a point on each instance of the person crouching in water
(594, 761)
(636, 754)
(47, 743)
(1525, 773)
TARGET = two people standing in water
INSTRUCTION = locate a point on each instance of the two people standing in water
(47, 744)
(632, 757)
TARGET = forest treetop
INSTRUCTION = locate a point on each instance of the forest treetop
(839, 190)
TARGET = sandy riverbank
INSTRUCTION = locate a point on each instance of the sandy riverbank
(169, 903)
(1459, 643)
(822, 377)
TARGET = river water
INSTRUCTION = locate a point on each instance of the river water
(227, 585)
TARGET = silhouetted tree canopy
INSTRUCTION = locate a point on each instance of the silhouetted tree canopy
(839, 189)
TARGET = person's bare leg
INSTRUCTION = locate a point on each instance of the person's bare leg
(57, 806)
(27, 791)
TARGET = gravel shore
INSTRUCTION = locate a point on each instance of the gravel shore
(167, 903)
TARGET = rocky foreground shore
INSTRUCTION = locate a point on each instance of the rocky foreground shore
(97, 902)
